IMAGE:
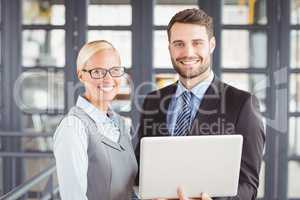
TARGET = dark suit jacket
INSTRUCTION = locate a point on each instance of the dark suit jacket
(223, 110)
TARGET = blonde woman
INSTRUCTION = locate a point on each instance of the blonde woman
(92, 145)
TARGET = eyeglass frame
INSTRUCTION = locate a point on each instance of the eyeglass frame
(106, 71)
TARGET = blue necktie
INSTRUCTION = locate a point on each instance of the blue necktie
(183, 119)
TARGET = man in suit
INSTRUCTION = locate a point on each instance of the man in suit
(200, 104)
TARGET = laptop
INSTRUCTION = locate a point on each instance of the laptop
(209, 164)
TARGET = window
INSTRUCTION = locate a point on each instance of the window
(244, 12)
(244, 51)
(294, 101)
(295, 48)
(1, 65)
(119, 13)
(295, 11)
(43, 48)
(1, 95)
(41, 84)
(43, 12)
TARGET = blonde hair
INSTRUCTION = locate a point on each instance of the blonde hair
(89, 49)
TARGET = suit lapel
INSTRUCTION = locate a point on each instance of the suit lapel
(164, 101)
(208, 109)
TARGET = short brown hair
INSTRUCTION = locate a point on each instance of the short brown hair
(193, 16)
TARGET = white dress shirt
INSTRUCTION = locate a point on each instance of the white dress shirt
(70, 149)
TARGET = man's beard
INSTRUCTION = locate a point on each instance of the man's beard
(190, 74)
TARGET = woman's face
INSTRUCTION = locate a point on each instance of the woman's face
(102, 89)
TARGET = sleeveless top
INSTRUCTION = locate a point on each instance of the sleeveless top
(112, 166)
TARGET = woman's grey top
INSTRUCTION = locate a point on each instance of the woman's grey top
(112, 166)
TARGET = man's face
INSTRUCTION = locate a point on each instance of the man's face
(190, 49)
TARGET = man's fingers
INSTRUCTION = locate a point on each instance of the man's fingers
(205, 196)
(181, 194)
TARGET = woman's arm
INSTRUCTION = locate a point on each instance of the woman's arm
(70, 150)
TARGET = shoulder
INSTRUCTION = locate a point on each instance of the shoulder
(69, 134)
(68, 127)
(238, 101)
(71, 120)
(234, 95)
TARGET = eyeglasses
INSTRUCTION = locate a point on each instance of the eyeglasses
(98, 73)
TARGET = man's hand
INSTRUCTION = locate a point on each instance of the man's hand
(181, 196)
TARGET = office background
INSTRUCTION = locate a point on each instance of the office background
(258, 50)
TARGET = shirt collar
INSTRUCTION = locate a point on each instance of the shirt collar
(198, 90)
(97, 115)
